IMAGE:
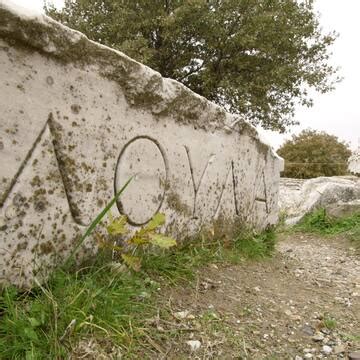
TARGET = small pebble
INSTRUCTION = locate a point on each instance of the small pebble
(338, 349)
(318, 337)
(326, 349)
(194, 344)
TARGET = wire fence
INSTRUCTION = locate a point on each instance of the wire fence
(315, 163)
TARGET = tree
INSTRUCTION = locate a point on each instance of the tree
(312, 154)
(257, 58)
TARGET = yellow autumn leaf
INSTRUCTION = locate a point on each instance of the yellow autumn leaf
(161, 240)
(117, 226)
(157, 221)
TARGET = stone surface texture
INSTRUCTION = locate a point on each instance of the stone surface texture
(78, 119)
(341, 209)
(354, 162)
(338, 194)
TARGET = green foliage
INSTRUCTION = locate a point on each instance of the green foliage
(138, 242)
(104, 302)
(320, 223)
(117, 226)
(311, 154)
(180, 264)
(34, 324)
(329, 322)
(255, 57)
(317, 221)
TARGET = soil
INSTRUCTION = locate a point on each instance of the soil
(303, 303)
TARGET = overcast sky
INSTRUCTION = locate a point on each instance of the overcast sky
(338, 112)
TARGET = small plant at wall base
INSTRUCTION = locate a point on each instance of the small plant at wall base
(135, 245)
(117, 227)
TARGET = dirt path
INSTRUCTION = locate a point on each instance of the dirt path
(304, 303)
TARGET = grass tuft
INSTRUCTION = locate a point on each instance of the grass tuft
(181, 263)
(329, 322)
(319, 222)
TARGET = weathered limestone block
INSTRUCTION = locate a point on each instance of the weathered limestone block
(77, 119)
(354, 162)
(298, 197)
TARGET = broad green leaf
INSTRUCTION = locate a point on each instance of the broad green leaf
(157, 221)
(118, 226)
(161, 240)
(133, 262)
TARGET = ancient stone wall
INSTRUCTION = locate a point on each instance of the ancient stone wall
(77, 119)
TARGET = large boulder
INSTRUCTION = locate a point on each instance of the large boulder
(77, 119)
(298, 197)
(354, 163)
(342, 209)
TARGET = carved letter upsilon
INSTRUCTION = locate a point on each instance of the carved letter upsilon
(144, 158)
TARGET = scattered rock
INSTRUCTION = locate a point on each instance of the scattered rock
(326, 349)
(183, 315)
(318, 337)
(295, 317)
(194, 345)
(307, 330)
(339, 349)
(354, 355)
(354, 162)
(298, 197)
(342, 209)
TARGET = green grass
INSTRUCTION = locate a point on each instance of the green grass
(329, 322)
(181, 262)
(104, 303)
(320, 223)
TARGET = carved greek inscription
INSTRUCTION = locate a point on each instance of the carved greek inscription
(261, 192)
(49, 124)
(230, 178)
(60, 158)
(24, 162)
(144, 158)
(196, 185)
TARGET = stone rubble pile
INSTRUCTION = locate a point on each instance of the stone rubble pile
(338, 195)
